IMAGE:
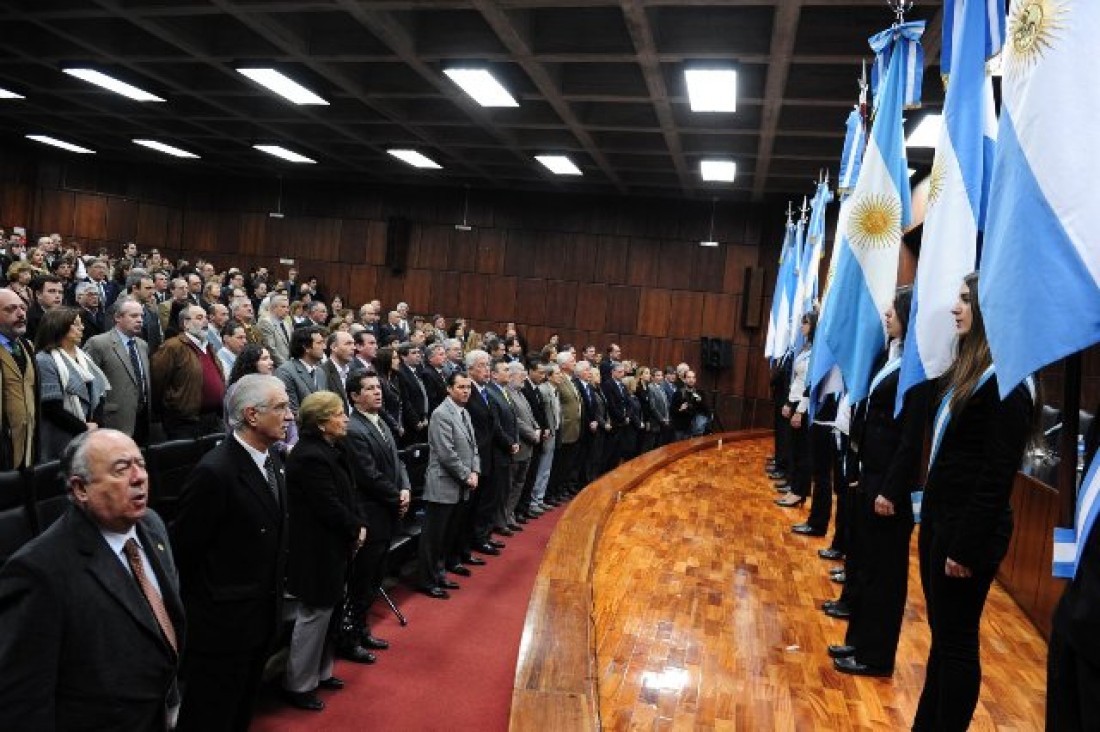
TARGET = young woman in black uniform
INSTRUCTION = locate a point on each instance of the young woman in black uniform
(978, 441)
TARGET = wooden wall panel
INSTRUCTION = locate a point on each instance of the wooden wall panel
(362, 283)
(122, 216)
(55, 213)
(251, 234)
(430, 247)
(737, 259)
(653, 312)
(473, 289)
(578, 262)
(352, 248)
(152, 225)
(561, 304)
(199, 232)
(622, 309)
(531, 301)
(16, 205)
(644, 262)
(463, 251)
(90, 216)
(612, 253)
(490, 251)
(720, 314)
(500, 305)
(591, 307)
(674, 268)
(686, 315)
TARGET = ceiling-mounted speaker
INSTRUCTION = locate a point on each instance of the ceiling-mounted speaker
(752, 299)
(398, 235)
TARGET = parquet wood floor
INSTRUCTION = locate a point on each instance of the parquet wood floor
(705, 614)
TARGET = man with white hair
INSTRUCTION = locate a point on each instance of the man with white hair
(275, 329)
(91, 310)
(452, 349)
(563, 472)
(230, 537)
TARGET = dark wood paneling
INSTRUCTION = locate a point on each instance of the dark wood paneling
(561, 304)
(622, 309)
(591, 306)
(16, 204)
(122, 215)
(152, 225)
(490, 251)
(430, 247)
(530, 301)
(686, 315)
(90, 216)
(611, 259)
(55, 213)
(654, 312)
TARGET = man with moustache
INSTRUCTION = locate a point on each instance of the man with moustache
(188, 382)
(18, 385)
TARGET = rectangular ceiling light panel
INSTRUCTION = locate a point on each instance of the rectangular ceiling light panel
(281, 152)
(721, 171)
(559, 164)
(282, 85)
(112, 84)
(47, 140)
(165, 148)
(482, 86)
(415, 159)
(712, 90)
(6, 94)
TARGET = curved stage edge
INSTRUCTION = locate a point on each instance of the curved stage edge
(556, 681)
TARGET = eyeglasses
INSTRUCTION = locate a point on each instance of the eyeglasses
(280, 407)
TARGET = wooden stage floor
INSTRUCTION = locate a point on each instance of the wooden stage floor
(706, 617)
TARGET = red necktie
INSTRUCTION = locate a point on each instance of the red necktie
(156, 602)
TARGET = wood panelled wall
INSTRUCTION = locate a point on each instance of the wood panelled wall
(591, 270)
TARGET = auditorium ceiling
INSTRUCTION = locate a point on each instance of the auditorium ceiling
(600, 81)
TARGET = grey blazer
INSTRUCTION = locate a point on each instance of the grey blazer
(299, 383)
(109, 353)
(453, 454)
(275, 340)
(526, 425)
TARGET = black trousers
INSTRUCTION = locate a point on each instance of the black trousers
(437, 535)
(880, 580)
(219, 690)
(823, 460)
(799, 453)
(1073, 679)
(493, 488)
(563, 470)
(368, 569)
(782, 435)
(954, 670)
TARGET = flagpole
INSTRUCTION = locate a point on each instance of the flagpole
(1067, 444)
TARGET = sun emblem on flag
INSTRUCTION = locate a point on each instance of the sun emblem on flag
(1033, 27)
(936, 180)
(875, 221)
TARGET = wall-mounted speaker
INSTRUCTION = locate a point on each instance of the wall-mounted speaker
(398, 235)
(752, 298)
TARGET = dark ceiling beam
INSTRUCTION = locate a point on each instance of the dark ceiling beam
(285, 39)
(784, 30)
(386, 28)
(516, 42)
(637, 24)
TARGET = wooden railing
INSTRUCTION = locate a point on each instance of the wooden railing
(555, 683)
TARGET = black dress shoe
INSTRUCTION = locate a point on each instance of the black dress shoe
(850, 665)
(436, 592)
(358, 654)
(495, 543)
(377, 644)
(474, 561)
(841, 651)
(830, 553)
(522, 519)
(838, 610)
(487, 548)
(807, 530)
(503, 531)
(460, 570)
(331, 683)
(830, 603)
(839, 577)
(306, 700)
(447, 584)
(515, 528)
(776, 475)
(790, 501)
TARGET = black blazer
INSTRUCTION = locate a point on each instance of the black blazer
(681, 419)
(79, 646)
(231, 545)
(391, 405)
(323, 520)
(968, 489)
(508, 432)
(380, 475)
(413, 408)
(614, 395)
(534, 398)
(435, 385)
(483, 417)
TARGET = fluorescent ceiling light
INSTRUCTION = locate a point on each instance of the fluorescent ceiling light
(111, 83)
(415, 159)
(47, 140)
(723, 171)
(282, 85)
(5, 94)
(165, 148)
(281, 152)
(927, 133)
(708, 243)
(712, 90)
(482, 86)
(559, 164)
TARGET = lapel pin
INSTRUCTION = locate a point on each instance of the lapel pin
(160, 547)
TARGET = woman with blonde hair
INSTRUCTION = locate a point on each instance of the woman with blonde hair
(325, 533)
(19, 280)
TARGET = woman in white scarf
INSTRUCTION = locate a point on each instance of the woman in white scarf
(72, 387)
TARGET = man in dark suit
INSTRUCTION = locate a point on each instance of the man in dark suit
(383, 496)
(139, 286)
(476, 527)
(432, 376)
(48, 292)
(341, 355)
(614, 393)
(415, 406)
(530, 390)
(302, 374)
(91, 310)
(505, 450)
(91, 623)
(391, 331)
(231, 542)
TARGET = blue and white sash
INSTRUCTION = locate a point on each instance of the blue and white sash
(939, 427)
(891, 366)
(1069, 544)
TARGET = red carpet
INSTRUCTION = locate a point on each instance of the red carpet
(451, 668)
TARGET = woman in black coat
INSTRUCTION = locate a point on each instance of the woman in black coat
(888, 450)
(386, 362)
(978, 442)
(325, 533)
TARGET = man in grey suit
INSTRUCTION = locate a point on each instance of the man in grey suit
(91, 623)
(275, 329)
(529, 435)
(302, 374)
(453, 471)
(123, 357)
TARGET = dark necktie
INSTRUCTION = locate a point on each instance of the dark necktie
(156, 602)
(484, 396)
(135, 362)
(272, 479)
(18, 355)
(282, 327)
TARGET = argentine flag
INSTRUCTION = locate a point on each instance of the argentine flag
(780, 318)
(1040, 283)
(794, 324)
(957, 195)
(879, 211)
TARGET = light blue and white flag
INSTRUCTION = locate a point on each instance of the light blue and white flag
(1040, 283)
(1069, 544)
(779, 319)
(867, 271)
(901, 45)
(957, 196)
(810, 267)
(794, 327)
(855, 142)
(993, 36)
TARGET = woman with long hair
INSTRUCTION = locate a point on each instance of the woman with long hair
(386, 363)
(795, 412)
(978, 441)
(887, 449)
(72, 387)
